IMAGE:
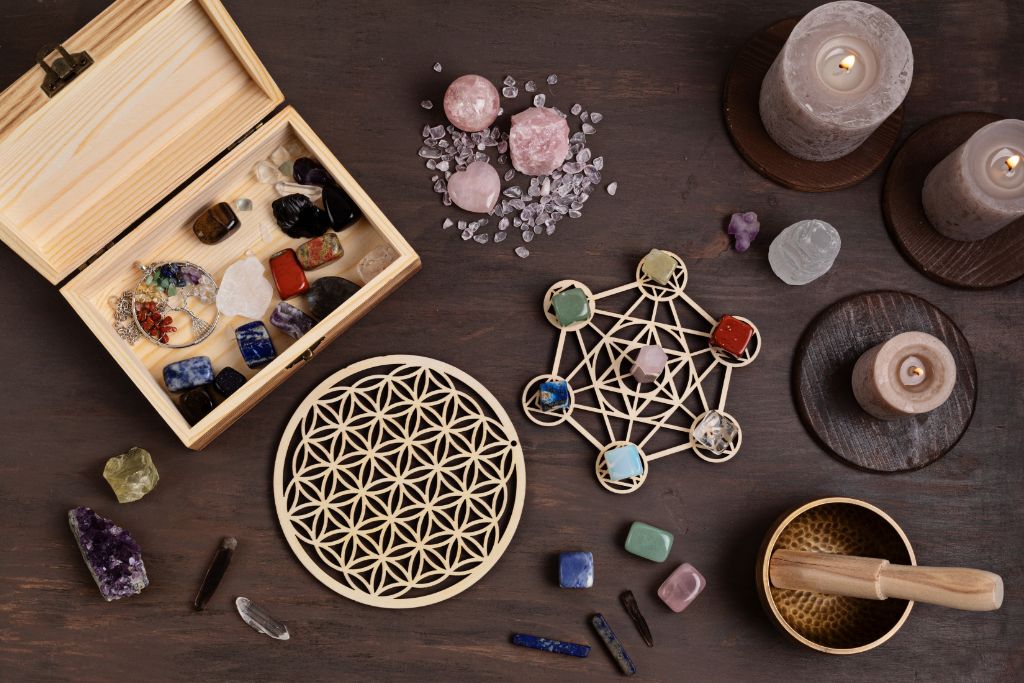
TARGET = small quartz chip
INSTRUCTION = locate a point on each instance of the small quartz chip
(427, 104)
(131, 475)
(259, 620)
(437, 67)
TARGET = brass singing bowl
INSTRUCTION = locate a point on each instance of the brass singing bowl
(835, 624)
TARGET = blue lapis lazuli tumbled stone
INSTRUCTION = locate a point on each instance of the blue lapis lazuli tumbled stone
(624, 462)
(576, 569)
(255, 345)
(188, 374)
(554, 395)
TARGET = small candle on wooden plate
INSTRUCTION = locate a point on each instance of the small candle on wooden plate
(911, 374)
(844, 69)
(979, 188)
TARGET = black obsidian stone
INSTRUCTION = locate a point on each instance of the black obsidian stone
(196, 404)
(327, 293)
(340, 208)
(228, 381)
(298, 216)
(308, 171)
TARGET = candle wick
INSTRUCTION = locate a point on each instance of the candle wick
(916, 371)
(1011, 163)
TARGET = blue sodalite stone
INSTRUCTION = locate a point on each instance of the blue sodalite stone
(548, 645)
(188, 374)
(228, 381)
(255, 345)
(613, 644)
(576, 569)
(291, 320)
(554, 395)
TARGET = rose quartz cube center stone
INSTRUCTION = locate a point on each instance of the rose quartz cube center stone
(682, 587)
(476, 189)
(471, 103)
(538, 141)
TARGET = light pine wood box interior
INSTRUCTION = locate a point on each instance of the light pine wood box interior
(93, 181)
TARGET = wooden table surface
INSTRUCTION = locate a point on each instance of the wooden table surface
(356, 71)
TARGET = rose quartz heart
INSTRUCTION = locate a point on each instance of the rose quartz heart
(476, 189)
(538, 141)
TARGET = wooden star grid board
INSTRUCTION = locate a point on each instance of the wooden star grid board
(399, 481)
(607, 405)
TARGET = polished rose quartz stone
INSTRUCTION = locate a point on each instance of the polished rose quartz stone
(476, 189)
(539, 140)
(471, 103)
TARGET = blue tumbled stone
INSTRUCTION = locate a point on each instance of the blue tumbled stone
(255, 345)
(228, 381)
(188, 374)
(624, 462)
(559, 647)
(576, 569)
(554, 395)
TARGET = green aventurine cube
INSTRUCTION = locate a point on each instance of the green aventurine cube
(649, 542)
(571, 306)
(658, 266)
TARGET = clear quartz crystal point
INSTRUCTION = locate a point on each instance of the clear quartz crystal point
(262, 622)
(804, 251)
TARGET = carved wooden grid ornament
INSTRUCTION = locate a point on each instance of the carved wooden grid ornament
(658, 417)
(399, 481)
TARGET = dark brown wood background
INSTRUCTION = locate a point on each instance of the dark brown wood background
(356, 71)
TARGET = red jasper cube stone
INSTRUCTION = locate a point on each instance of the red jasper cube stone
(288, 275)
(732, 335)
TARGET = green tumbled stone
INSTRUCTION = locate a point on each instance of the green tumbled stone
(132, 475)
(659, 266)
(571, 306)
(649, 542)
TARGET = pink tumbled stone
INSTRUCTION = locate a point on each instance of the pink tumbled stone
(476, 189)
(539, 140)
(650, 362)
(471, 103)
(681, 587)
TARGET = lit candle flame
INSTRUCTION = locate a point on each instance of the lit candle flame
(1011, 163)
(847, 62)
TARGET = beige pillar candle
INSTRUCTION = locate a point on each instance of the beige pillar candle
(979, 188)
(911, 374)
(844, 69)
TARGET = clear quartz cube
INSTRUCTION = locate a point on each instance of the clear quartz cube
(716, 432)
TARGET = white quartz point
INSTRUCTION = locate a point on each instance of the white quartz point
(266, 172)
(804, 251)
(285, 188)
(244, 290)
(262, 622)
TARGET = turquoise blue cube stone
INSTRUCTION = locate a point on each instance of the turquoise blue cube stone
(571, 306)
(624, 462)
(576, 569)
(188, 374)
(254, 344)
(649, 542)
(554, 395)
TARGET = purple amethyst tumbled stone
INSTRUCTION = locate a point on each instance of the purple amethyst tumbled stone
(744, 227)
(111, 554)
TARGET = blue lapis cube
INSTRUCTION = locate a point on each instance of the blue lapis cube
(624, 462)
(576, 569)
(255, 345)
(554, 395)
(188, 374)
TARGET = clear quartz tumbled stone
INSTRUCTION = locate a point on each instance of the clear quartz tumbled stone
(804, 251)
(716, 432)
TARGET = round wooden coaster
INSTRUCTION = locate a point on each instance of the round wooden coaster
(399, 481)
(743, 119)
(992, 262)
(823, 365)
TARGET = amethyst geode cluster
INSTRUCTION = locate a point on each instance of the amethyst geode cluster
(110, 552)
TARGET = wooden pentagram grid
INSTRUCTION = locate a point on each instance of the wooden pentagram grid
(399, 481)
(607, 405)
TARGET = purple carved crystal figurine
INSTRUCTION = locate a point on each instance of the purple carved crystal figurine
(744, 227)
(112, 555)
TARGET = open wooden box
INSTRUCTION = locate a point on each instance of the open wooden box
(172, 86)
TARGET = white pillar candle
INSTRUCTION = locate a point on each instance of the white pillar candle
(979, 188)
(844, 69)
(911, 374)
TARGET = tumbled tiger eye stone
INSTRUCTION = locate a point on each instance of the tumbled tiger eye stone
(319, 251)
(288, 275)
(215, 223)
(196, 404)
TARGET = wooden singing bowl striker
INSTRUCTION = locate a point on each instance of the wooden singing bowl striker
(832, 623)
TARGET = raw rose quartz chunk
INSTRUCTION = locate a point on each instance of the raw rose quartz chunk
(476, 189)
(539, 140)
(471, 103)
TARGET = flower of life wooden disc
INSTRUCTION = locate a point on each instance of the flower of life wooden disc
(399, 481)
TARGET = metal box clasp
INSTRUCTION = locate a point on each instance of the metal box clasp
(64, 68)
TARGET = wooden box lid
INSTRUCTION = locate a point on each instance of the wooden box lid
(173, 84)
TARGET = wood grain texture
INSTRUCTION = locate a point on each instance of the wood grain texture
(743, 121)
(991, 262)
(356, 72)
(823, 366)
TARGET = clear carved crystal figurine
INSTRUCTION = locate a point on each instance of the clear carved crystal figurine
(804, 251)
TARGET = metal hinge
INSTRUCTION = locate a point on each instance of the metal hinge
(63, 70)
(305, 355)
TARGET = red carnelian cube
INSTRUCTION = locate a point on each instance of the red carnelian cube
(288, 276)
(732, 335)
